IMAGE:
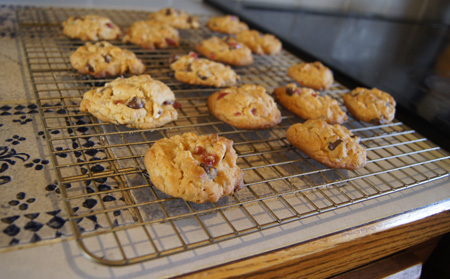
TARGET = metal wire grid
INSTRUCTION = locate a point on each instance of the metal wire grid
(103, 163)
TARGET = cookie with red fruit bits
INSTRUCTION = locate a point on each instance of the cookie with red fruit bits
(245, 107)
(193, 70)
(91, 28)
(103, 59)
(308, 104)
(195, 168)
(152, 35)
(175, 18)
(228, 24)
(226, 50)
(136, 102)
(332, 145)
(261, 44)
(370, 105)
(314, 75)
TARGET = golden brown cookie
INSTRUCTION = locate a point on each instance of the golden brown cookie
(195, 168)
(228, 24)
(102, 59)
(259, 43)
(136, 102)
(91, 28)
(226, 50)
(245, 107)
(151, 35)
(175, 18)
(308, 104)
(370, 105)
(193, 70)
(314, 75)
(331, 145)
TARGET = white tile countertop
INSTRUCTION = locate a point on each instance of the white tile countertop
(36, 240)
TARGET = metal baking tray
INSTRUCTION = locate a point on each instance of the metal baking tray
(134, 222)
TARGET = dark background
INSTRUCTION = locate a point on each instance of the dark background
(407, 58)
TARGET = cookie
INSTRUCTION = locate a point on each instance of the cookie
(314, 75)
(91, 28)
(193, 70)
(308, 104)
(331, 145)
(245, 107)
(195, 168)
(175, 18)
(226, 50)
(136, 102)
(228, 24)
(370, 105)
(151, 35)
(102, 59)
(261, 44)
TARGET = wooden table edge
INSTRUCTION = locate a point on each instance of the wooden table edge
(341, 251)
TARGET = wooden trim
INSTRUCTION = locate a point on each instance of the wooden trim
(339, 252)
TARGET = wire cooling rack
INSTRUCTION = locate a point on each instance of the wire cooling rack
(103, 163)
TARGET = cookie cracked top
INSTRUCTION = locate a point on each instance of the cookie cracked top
(308, 104)
(193, 70)
(91, 28)
(245, 107)
(261, 44)
(136, 102)
(314, 75)
(226, 50)
(331, 145)
(175, 18)
(195, 168)
(370, 105)
(152, 35)
(102, 59)
(228, 24)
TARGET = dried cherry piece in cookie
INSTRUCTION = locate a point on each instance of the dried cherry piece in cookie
(198, 150)
(193, 55)
(221, 95)
(210, 159)
(171, 42)
(177, 105)
(116, 102)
